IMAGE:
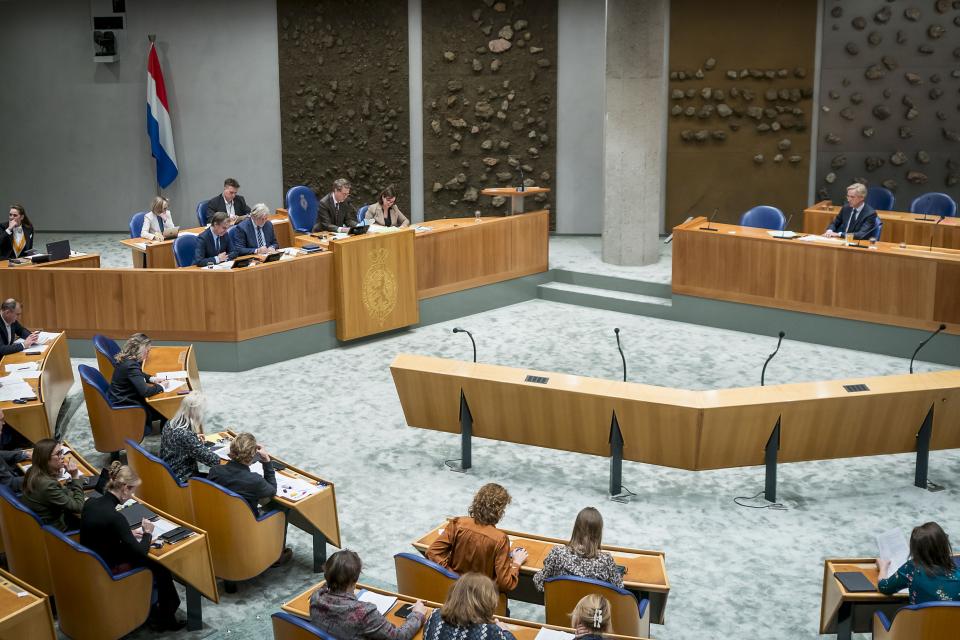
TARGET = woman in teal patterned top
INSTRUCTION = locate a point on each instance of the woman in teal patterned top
(930, 573)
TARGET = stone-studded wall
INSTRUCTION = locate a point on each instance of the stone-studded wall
(344, 95)
(890, 109)
(490, 87)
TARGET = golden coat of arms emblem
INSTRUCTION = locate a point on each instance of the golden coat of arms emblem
(379, 288)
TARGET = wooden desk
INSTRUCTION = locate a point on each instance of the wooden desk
(152, 254)
(898, 226)
(37, 419)
(908, 287)
(24, 611)
(161, 359)
(516, 196)
(87, 261)
(646, 575)
(842, 612)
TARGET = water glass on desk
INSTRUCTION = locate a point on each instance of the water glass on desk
(476, 215)
(850, 241)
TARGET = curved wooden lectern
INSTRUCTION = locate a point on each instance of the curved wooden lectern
(515, 194)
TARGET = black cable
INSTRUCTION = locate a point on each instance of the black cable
(624, 496)
(447, 464)
(776, 506)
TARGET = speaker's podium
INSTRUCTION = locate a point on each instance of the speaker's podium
(376, 283)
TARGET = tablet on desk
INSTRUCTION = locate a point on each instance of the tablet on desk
(170, 233)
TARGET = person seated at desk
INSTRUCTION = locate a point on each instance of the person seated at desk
(334, 213)
(930, 574)
(591, 617)
(14, 337)
(55, 504)
(468, 612)
(335, 609)
(157, 219)
(214, 245)
(856, 217)
(181, 443)
(17, 237)
(228, 202)
(581, 556)
(475, 544)
(9, 471)
(255, 234)
(105, 532)
(386, 202)
(130, 385)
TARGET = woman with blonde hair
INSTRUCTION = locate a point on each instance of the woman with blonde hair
(56, 504)
(105, 531)
(181, 443)
(581, 556)
(473, 543)
(130, 385)
(591, 617)
(468, 612)
(157, 219)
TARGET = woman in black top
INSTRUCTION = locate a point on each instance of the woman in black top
(105, 532)
(130, 385)
(17, 236)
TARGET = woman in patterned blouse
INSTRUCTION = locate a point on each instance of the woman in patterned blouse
(181, 441)
(591, 617)
(581, 556)
(468, 612)
(930, 573)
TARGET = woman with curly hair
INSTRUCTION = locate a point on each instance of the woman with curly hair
(473, 543)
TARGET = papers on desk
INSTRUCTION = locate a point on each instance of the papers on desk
(822, 239)
(140, 245)
(223, 266)
(47, 336)
(421, 227)
(76, 254)
(553, 634)
(295, 488)
(223, 452)
(381, 602)
(172, 375)
(340, 236)
(162, 526)
(22, 366)
(11, 391)
(376, 228)
(782, 234)
(35, 350)
(172, 385)
(892, 546)
(20, 375)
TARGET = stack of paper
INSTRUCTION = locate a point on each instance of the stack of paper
(35, 350)
(892, 546)
(22, 366)
(172, 385)
(20, 375)
(553, 634)
(383, 603)
(295, 488)
(11, 391)
(824, 239)
(47, 336)
(171, 375)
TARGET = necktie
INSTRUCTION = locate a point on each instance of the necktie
(160, 222)
(9, 333)
(216, 245)
(260, 241)
(851, 221)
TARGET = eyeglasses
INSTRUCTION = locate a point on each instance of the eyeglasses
(59, 453)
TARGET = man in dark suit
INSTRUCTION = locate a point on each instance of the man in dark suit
(334, 213)
(14, 337)
(255, 234)
(215, 246)
(856, 217)
(229, 202)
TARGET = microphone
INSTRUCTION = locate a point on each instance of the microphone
(710, 221)
(939, 220)
(920, 346)
(521, 187)
(459, 330)
(617, 332)
(763, 372)
(784, 230)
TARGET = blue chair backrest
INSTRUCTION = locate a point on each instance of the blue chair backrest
(934, 204)
(877, 230)
(302, 208)
(419, 559)
(79, 548)
(106, 346)
(95, 379)
(299, 622)
(764, 217)
(880, 198)
(887, 622)
(202, 212)
(136, 224)
(185, 249)
(152, 458)
(361, 215)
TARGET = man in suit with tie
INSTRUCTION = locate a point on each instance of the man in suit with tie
(334, 213)
(255, 234)
(856, 217)
(229, 202)
(14, 337)
(214, 244)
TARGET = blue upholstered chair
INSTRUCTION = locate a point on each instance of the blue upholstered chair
(107, 351)
(234, 232)
(92, 603)
(875, 234)
(185, 249)
(361, 214)
(302, 208)
(880, 198)
(23, 542)
(628, 617)
(927, 621)
(110, 425)
(159, 485)
(136, 224)
(291, 627)
(764, 217)
(934, 204)
(202, 212)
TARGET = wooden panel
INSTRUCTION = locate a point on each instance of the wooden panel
(834, 595)
(188, 559)
(162, 359)
(24, 611)
(87, 260)
(37, 419)
(375, 284)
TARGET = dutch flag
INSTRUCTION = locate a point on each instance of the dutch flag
(158, 122)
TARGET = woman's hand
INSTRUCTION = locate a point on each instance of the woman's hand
(883, 565)
(71, 466)
(519, 556)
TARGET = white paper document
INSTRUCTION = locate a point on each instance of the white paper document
(892, 546)
(295, 488)
(782, 234)
(10, 391)
(47, 336)
(23, 366)
(824, 239)
(421, 227)
(172, 385)
(161, 526)
(171, 375)
(381, 602)
(553, 634)
(140, 245)
(223, 452)
(35, 350)
(19, 375)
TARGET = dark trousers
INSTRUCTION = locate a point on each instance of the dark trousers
(168, 600)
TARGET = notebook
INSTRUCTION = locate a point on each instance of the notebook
(137, 512)
(854, 581)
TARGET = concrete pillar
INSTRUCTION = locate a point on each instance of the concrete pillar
(634, 130)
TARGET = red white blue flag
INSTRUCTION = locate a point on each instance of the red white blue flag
(158, 122)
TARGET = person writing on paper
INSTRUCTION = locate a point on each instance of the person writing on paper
(228, 202)
(14, 337)
(214, 245)
(17, 237)
(581, 556)
(467, 613)
(385, 212)
(181, 443)
(591, 617)
(930, 574)
(56, 505)
(856, 217)
(130, 385)
(105, 531)
(157, 219)
(334, 213)
(334, 607)
(255, 234)
(475, 544)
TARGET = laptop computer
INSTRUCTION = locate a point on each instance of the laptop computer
(169, 233)
(59, 250)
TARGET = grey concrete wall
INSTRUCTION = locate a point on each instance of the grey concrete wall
(580, 113)
(75, 150)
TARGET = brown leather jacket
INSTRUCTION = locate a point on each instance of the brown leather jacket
(466, 546)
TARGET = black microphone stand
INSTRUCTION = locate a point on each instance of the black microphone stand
(921, 345)
(459, 330)
(617, 332)
(763, 372)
